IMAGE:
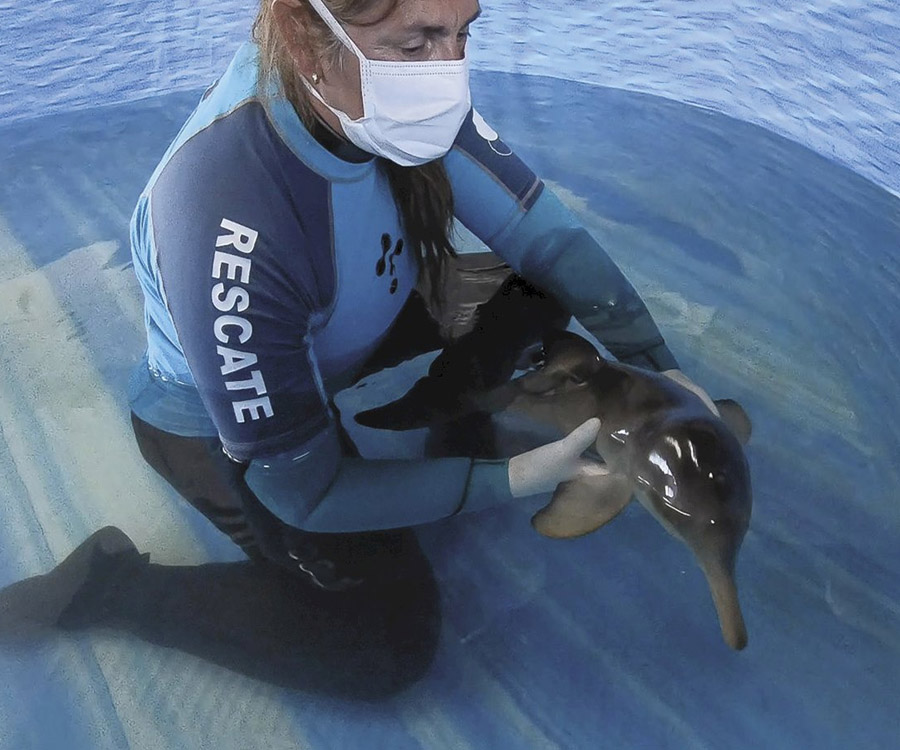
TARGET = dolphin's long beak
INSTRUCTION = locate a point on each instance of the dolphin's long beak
(725, 596)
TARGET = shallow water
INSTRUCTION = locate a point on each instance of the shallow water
(773, 274)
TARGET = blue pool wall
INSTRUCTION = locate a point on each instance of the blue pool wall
(824, 74)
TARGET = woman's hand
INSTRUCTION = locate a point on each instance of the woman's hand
(542, 469)
(679, 377)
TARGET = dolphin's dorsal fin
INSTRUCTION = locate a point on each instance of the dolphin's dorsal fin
(736, 418)
(583, 505)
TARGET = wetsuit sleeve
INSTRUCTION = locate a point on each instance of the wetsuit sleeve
(245, 267)
(316, 488)
(500, 200)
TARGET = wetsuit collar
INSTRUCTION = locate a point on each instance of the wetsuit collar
(340, 147)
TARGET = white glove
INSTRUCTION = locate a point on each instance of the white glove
(679, 377)
(542, 469)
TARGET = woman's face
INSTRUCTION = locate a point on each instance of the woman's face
(416, 30)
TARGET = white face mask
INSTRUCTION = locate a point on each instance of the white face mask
(412, 111)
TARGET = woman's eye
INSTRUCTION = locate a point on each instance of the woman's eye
(419, 48)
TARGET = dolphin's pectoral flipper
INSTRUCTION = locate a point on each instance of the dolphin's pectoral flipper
(736, 418)
(583, 505)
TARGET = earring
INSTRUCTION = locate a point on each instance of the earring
(315, 79)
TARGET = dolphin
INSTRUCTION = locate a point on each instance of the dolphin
(658, 442)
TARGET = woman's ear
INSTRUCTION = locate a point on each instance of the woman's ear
(288, 19)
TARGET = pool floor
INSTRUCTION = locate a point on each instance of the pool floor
(773, 274)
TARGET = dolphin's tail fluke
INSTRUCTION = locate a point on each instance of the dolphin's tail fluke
(427, 404)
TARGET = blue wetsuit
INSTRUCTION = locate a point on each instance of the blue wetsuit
(272, 268)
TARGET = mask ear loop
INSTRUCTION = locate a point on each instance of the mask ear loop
(332, 23)
(336, 27)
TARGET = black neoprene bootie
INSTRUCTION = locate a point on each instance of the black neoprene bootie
(77, 592)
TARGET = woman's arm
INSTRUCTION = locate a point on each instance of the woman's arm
(506, 205)
(316, 488)
(558, 255)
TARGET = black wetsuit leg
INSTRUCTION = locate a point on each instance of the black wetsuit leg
(191, 466)
(203, 475)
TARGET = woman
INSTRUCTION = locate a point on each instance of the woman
(278, 242)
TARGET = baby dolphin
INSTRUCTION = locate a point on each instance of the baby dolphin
(658, 440)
